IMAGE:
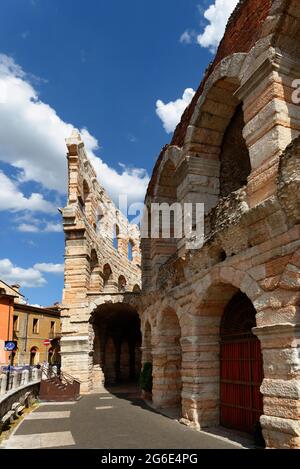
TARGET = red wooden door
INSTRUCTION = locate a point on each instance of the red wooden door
(241, 367)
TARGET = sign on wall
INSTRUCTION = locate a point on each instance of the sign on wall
(10, 345)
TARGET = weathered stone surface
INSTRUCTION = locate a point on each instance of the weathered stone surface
(251, 239)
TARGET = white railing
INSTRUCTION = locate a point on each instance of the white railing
(17, 378)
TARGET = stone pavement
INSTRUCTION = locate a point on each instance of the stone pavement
(118, 420)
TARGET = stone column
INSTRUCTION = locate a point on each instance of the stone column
(146, 354)
(77, 357)
(166, 377)
(3, 384)
(35, 374)
(15, 380)
(281, 385)
(25, 377)
(201, 380)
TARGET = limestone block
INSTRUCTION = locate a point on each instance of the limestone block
(288, 389)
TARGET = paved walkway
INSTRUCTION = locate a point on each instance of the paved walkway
(115, 421)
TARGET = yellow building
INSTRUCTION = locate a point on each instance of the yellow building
(31, 327)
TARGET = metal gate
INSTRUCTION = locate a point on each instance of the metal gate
(241, 367)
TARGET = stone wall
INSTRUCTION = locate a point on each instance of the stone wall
(251, 233)
(96, 264)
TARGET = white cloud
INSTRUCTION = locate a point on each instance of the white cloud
(32, 139)
(30, 278)
(186, 37)
(217, 15)
(53, 227)
(26, 228)
(37, 226)
(12, 199)
(170, 113)
(49, 268)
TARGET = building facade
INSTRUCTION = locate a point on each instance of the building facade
(101, 328)
(29, 326)
(32, 326)
(219, 321)
(8, 295)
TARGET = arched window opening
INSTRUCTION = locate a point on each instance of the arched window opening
(99, 218)
(34, 356)
(235, 159)
(107, 276)
(50, 355)
(122, 283)
(241, 367)
(136, 289)
(116, 237)
(130, 250)
(86, 192)
(95, 278)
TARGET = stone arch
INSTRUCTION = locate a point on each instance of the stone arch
(34, 356)
(216, 105)
(117, 342)
(228, 276)
(85, 191)
(163, 245)
(201, 403)
(122, 284)
(108, 280)
(116, 239)
(290, 277)
(234, 156)
(95, 283)
(215, 135)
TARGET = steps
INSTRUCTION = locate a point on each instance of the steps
(59, 388)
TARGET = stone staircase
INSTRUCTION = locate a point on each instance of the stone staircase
(59, 388)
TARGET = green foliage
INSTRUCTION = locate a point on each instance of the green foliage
(146, 377)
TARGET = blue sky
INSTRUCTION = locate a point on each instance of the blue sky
(123, 71)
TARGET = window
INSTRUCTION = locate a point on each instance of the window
(16, 323)
(130, 248)
(116, 237)
(52, 327)
(35, 326)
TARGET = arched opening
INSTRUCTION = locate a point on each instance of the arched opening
(34, 356)
(50, 355)
(214, 361)
(235, 159)
(107, 278)
(86, 192)
(130, 250)
(167, 362)
(122, 283)
(99, 218)
(164, 217)
(95, 277)
(241, 370)
(136, 289)
(117, 344)
(116, 239)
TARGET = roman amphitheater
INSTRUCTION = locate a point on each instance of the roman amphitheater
(221, 323)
